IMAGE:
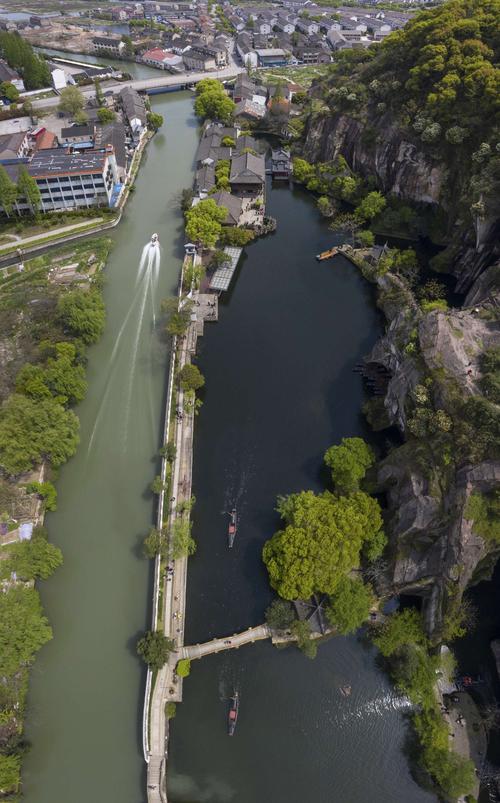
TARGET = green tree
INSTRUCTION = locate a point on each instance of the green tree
(28, 188)
(190, 377)
(208, 85)
(10, 773)
(349, 463)
(71, 100)
(8, 192)
(129, 45)
(155, 543)
(484, 511)
(215, 105)
(177, 319)
(350, 605)
(31, 431)
(279, 615)
(105, 115)
(81, 117)
(20, 55)
(320, 543)
(82, 314)
(302, 631)
(155, 648)
(204, 222)
(99, 96)
(60, 377)
(23, 628)
(365, 238)
(402, 628)
(232, 235)
(183, 667)
(371, 205)
(155, 121)
(183, 543)
(46, 491)
(34, 559)
(9, 91)
(302, 170)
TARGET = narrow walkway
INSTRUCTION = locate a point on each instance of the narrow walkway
(63, 230)
(168, 686)
(226, 642)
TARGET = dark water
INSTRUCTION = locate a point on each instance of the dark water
(279, 390)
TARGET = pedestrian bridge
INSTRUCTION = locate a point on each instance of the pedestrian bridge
(225, 643)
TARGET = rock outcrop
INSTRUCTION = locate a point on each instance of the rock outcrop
(435, 553)
(402, 168)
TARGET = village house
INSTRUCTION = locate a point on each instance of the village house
(271, 57)
(10, 76)
(233, 205)
(162, 59)
(79, 136)
(14, 146)
(281, 164)
(250, 111)
(134, 111)
(200, 59)
(248, 174)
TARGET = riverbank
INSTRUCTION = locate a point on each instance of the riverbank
(43, 378)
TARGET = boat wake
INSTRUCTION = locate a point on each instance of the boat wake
(130, 334)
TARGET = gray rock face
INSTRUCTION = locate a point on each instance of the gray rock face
(398, 164)
(435, 553)
(402, 168)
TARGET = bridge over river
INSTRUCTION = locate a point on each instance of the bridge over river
(225, 643)
(166, 82)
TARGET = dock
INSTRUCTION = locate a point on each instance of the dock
(222, 277)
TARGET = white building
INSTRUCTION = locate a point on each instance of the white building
(60, 78)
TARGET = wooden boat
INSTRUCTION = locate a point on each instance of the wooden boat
(327, 254)
(233, 713)
(233, 526)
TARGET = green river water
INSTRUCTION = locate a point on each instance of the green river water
(87, 684)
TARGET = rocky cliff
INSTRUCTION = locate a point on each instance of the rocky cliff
(378, 148)
(434, 552)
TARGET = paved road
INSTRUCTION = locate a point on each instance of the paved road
(150, 84)
(226, 642)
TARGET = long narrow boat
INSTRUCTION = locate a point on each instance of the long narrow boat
(233, 713)
(233, 527)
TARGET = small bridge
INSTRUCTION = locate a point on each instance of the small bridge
(225, 643)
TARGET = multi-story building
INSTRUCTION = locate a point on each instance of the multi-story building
(106, 44)
(69, 180)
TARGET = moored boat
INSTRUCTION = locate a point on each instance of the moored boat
(233, 527)
(233, 713)
(326, 254)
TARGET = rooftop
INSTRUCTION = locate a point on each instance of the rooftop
(59, 161)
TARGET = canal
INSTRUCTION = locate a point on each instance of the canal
(87, 685)
(280, 389)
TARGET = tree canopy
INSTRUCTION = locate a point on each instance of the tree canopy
(349, 605)
(20, 55)
(72, 101)
(154, 120)
(33, 430)
(190, 377)
(61, 377)
(204, 222)
(23, 628)
(155, 648)
(28, 188)
(212, 101)
(34, 559)
(321, 541)
(349, 463)
(401, 629)
(82, 314)
(279, 615)
(105, 115)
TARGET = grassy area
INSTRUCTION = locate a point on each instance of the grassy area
(52, 238)
(300, 75)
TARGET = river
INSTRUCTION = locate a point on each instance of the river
(87, 684)
(135, 69)
(280, 389)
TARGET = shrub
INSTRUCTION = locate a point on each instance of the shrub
(183, 667)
